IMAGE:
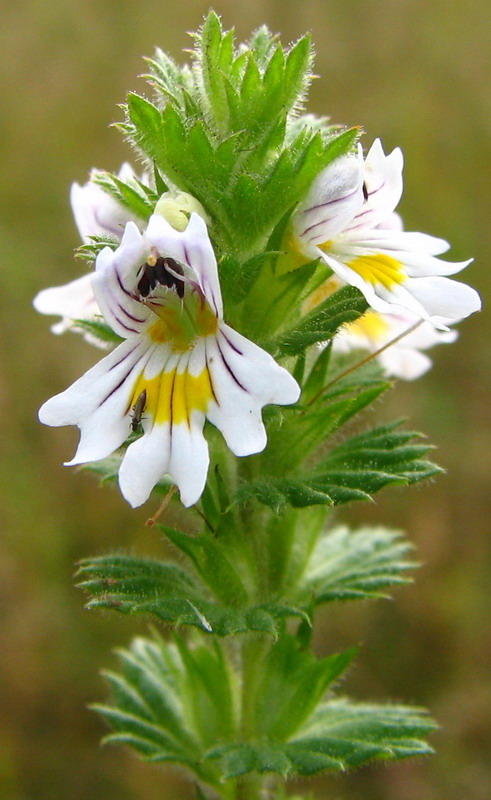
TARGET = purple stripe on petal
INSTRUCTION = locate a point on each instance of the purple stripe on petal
(317, 224)
(115, 388)
(229, 369)
(331, 202)
(231, 344)
(120, 283)
(210, 376)
(130, 316)
(123, 358)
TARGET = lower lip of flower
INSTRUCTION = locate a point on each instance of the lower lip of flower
(171, 397)
(379, 269)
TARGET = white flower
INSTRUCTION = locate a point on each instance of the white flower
(346, 219)
(179, 364)
(404, 358)
(96, 213)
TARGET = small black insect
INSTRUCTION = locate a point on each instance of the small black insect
(138, 409)
(365, 191)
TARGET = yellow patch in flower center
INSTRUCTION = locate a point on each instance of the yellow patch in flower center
(379, 269)
(172, 396)
(371, 324)
(181, 322)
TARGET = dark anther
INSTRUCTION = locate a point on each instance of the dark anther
(365, 191)
(158, 275)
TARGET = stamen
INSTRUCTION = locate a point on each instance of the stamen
(159, 271)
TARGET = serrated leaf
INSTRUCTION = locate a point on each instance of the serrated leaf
(137, 585)
(89, 251)
(98, 330)
(353, 470)
(348, 564)
(157, 704)
(139, 202)
(292, 683)
(320, 325)
(339, 736)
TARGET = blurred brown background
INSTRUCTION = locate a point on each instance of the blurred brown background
(416, 74)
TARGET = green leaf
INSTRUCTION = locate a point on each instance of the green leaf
(354, 470)
(89, 251)
(292, 683)
(98, 330)
(320, 325)
(171, 594)
(133, 197)
(214, 56)
(340, 735)
(169, 703)
(347, 565)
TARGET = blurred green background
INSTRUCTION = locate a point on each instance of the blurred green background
(416, 74)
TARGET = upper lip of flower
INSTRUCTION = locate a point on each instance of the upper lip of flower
(342, 221)
(159, 290)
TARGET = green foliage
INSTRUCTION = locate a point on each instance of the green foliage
(137, 198)
(89, 251)
(353, 470)
(178, 702)
(170, 703)
(320, 325)
(291, 684)
(171, 594)
(99, 331)
(347, 565)
(221, 131)
(340, 735)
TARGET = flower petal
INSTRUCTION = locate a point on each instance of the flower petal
(245, 378)
(191, 246)
(99, 402)
(444, 299)
(173, 440)
(74, 300)
(405, 363)
(114, 283)
(95, 211)
(383, 186)
(334, 198)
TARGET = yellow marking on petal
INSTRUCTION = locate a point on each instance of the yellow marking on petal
(172, 396)
(325, 290)
(180, 324)
(372, 325)
(325, 246)
(379, 269)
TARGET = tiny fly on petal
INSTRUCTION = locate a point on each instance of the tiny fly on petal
(138, 409)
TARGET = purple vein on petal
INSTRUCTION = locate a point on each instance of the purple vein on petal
(210, 375)
(231, 344)
(330, 202)
(125, 290)
(230, 370)
(123, 358)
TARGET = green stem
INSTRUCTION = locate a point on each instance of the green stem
(250, 787)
